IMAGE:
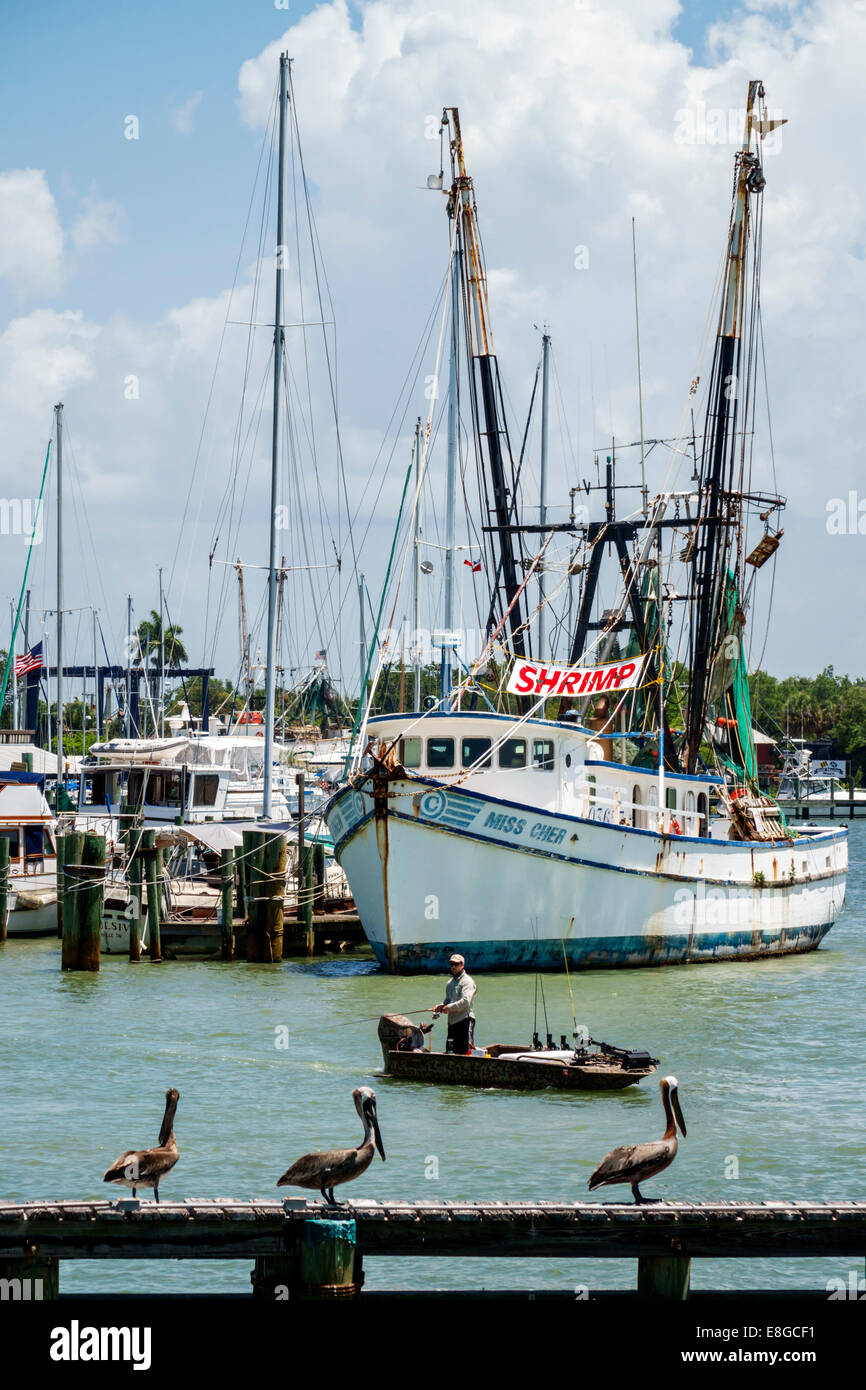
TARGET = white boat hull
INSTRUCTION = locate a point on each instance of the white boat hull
(512, 887)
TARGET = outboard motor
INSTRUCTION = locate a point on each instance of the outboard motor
(397, 1033)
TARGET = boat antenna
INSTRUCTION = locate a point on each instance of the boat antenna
(568, 982)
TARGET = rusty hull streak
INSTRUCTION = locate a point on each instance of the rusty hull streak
(383, 769)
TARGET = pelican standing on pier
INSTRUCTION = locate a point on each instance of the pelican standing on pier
(325, 1171)
(145, 1167)
(635, 1163)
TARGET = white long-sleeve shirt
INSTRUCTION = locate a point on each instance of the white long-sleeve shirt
(459, 994)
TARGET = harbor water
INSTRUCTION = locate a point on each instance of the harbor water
(770, 1057)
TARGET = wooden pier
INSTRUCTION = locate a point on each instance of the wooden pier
(291, 1245)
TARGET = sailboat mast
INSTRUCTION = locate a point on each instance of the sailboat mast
(416, 573)
(271, 658)
(542, 507)
(58, 411)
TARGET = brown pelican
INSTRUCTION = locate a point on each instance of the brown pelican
(326, 1170)
(145, 1167)
(635, 1163)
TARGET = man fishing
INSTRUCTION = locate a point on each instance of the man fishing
(459, 994)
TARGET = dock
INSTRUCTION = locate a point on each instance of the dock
(287, 1242)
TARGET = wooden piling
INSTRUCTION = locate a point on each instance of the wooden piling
(60, 849)
(227, 876)
(133, 874)
(83, 897)
(4, 886)
(327, 1260)
(666, 1278)
(153, 871)
(67, 897)
(91, 897)
(318, 876)
(265, 857)
(305, 896)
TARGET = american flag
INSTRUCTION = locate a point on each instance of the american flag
(474, 565)
(30, 661)
(321, 656)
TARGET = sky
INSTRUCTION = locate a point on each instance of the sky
(118, 258)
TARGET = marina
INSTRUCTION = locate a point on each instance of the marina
(419, 879)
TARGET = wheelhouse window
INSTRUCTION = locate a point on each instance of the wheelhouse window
(512, 753)
(12, 837)
(542, 754)
(95, 790)
(440, 752)
(475, 750)
(410, 752)
(205, 789)
(702, 813)
(37, 842)
(672, 798)
(636, 813)
(163, 789)
(690, 813)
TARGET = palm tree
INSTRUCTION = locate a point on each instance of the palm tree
(153, 640)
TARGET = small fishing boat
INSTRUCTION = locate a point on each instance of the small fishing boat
(586, 1066)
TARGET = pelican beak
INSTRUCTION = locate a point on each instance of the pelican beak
(371, 1111)
(677, 1109)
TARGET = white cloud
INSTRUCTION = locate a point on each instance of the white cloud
(570, 115)
(31, 237)
(181, 116)
(99, 223)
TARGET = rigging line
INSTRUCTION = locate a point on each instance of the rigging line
(75, 477)
(10, 656)
(257, 422)
(265, 143)
(422, 471)
(331, 382)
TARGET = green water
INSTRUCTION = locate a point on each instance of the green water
(770, 1056)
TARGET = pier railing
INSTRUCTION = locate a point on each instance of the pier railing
(305, 1249)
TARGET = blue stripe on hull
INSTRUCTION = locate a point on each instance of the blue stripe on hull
(599, 952)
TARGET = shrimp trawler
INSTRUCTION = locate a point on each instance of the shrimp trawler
(598, 803)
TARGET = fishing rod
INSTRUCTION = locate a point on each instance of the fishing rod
(374, 1018)
(568, 981)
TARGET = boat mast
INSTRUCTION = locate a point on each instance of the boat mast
(271, 657)
(451, 475)
(461, 204)
(58, 411)
(96, 710)
(542, 509)
(416, 573)
(128, 720)
(718, 515)
(12, 659)
(362, 634)
(161, 660)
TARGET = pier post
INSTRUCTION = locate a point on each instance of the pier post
(60, 847)
(265, 852)
(4, 886)
(91, 896)
(73, 844)
(664, 1277)
(318, 876)
(227, 877)
(133, 874)
(327, 1260)
(83, 895)
(305, 896)
(153, 869)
